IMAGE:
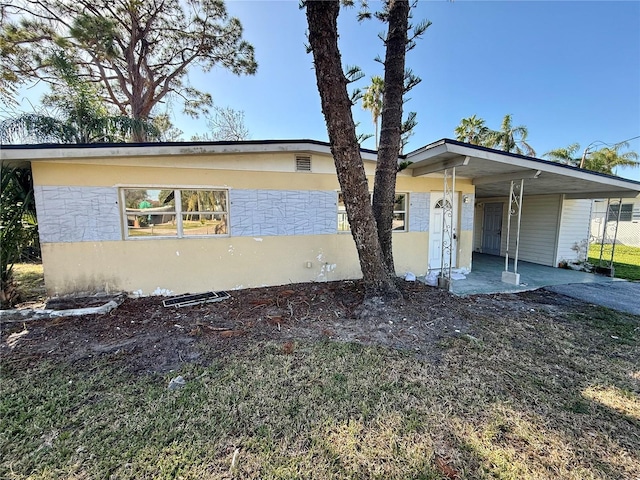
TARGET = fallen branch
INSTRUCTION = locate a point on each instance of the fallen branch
(28, 314)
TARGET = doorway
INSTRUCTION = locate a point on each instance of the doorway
(492, 228)
(435, 230)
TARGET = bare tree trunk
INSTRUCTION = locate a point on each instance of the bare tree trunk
(336, 106)
(390, 131)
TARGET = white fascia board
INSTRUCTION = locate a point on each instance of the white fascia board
(427, 152)
(598, 195)
(440, 165)
(66, 153)
(543, 166)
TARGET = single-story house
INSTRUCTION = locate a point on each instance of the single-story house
(620, 219)
(190, 217)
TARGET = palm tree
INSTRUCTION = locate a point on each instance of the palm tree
(372, 100)
(510, 138)
(472, 130)
(566, 155)
(607, 159)
(76, 114)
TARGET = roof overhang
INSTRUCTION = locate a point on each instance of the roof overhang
(21, 155)
(491, 171)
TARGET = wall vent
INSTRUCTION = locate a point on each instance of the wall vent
(303, 164)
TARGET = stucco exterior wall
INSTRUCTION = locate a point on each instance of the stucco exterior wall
(175, 266)
(282, 225)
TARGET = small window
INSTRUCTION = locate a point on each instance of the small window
(150, 213)
(204, 212)
(175, 213)
(626, 212)
(440, 204)
(400, 213)
(399, 223)
(303, 164)
(343, 222)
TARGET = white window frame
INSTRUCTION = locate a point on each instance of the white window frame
(177, 211)
(340, 212)
(405, 227)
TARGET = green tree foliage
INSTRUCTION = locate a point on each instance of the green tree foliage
(607, 159)
(604, 160)
(166, 131)
(372, 100)
(472, 130)
(18, 228)
(508, 138)
(137, 52)
(566, 155)
(75, 113)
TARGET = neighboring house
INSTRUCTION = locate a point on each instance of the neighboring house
(191, 217)
(627, 230)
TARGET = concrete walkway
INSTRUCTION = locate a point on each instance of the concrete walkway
(486, 277)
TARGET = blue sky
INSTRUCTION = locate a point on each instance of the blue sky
(569, 71)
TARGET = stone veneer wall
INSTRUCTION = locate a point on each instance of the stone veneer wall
(77, 214)
(419, 206)
(282, 212)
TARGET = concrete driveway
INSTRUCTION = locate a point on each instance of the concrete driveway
(622, 296)
(485, 278)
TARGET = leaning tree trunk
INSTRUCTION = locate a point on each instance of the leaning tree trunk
(322, 19)
(390, 131)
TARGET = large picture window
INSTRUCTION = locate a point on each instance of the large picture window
(399, 214)
(175, 213)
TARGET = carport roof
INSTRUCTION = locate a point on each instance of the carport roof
(492, 170)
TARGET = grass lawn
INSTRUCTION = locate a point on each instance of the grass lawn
(30, 280)
(530, 395)
(626, 260)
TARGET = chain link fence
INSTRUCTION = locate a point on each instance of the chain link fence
(615, 231)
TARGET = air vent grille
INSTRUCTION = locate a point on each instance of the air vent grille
(303, 164)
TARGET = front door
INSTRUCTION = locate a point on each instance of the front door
(435, 231)
(492, 228)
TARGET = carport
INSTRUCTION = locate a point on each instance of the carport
(525, 208)
(486, 278)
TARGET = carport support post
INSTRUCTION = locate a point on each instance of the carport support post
(448, 236)
(515, 199)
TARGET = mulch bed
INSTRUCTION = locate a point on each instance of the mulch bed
(148, 337)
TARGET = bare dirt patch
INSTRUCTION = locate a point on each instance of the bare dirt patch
(148, 337)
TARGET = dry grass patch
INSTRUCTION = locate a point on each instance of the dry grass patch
(528, 393)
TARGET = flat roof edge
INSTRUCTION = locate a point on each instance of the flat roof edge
(93, 150)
